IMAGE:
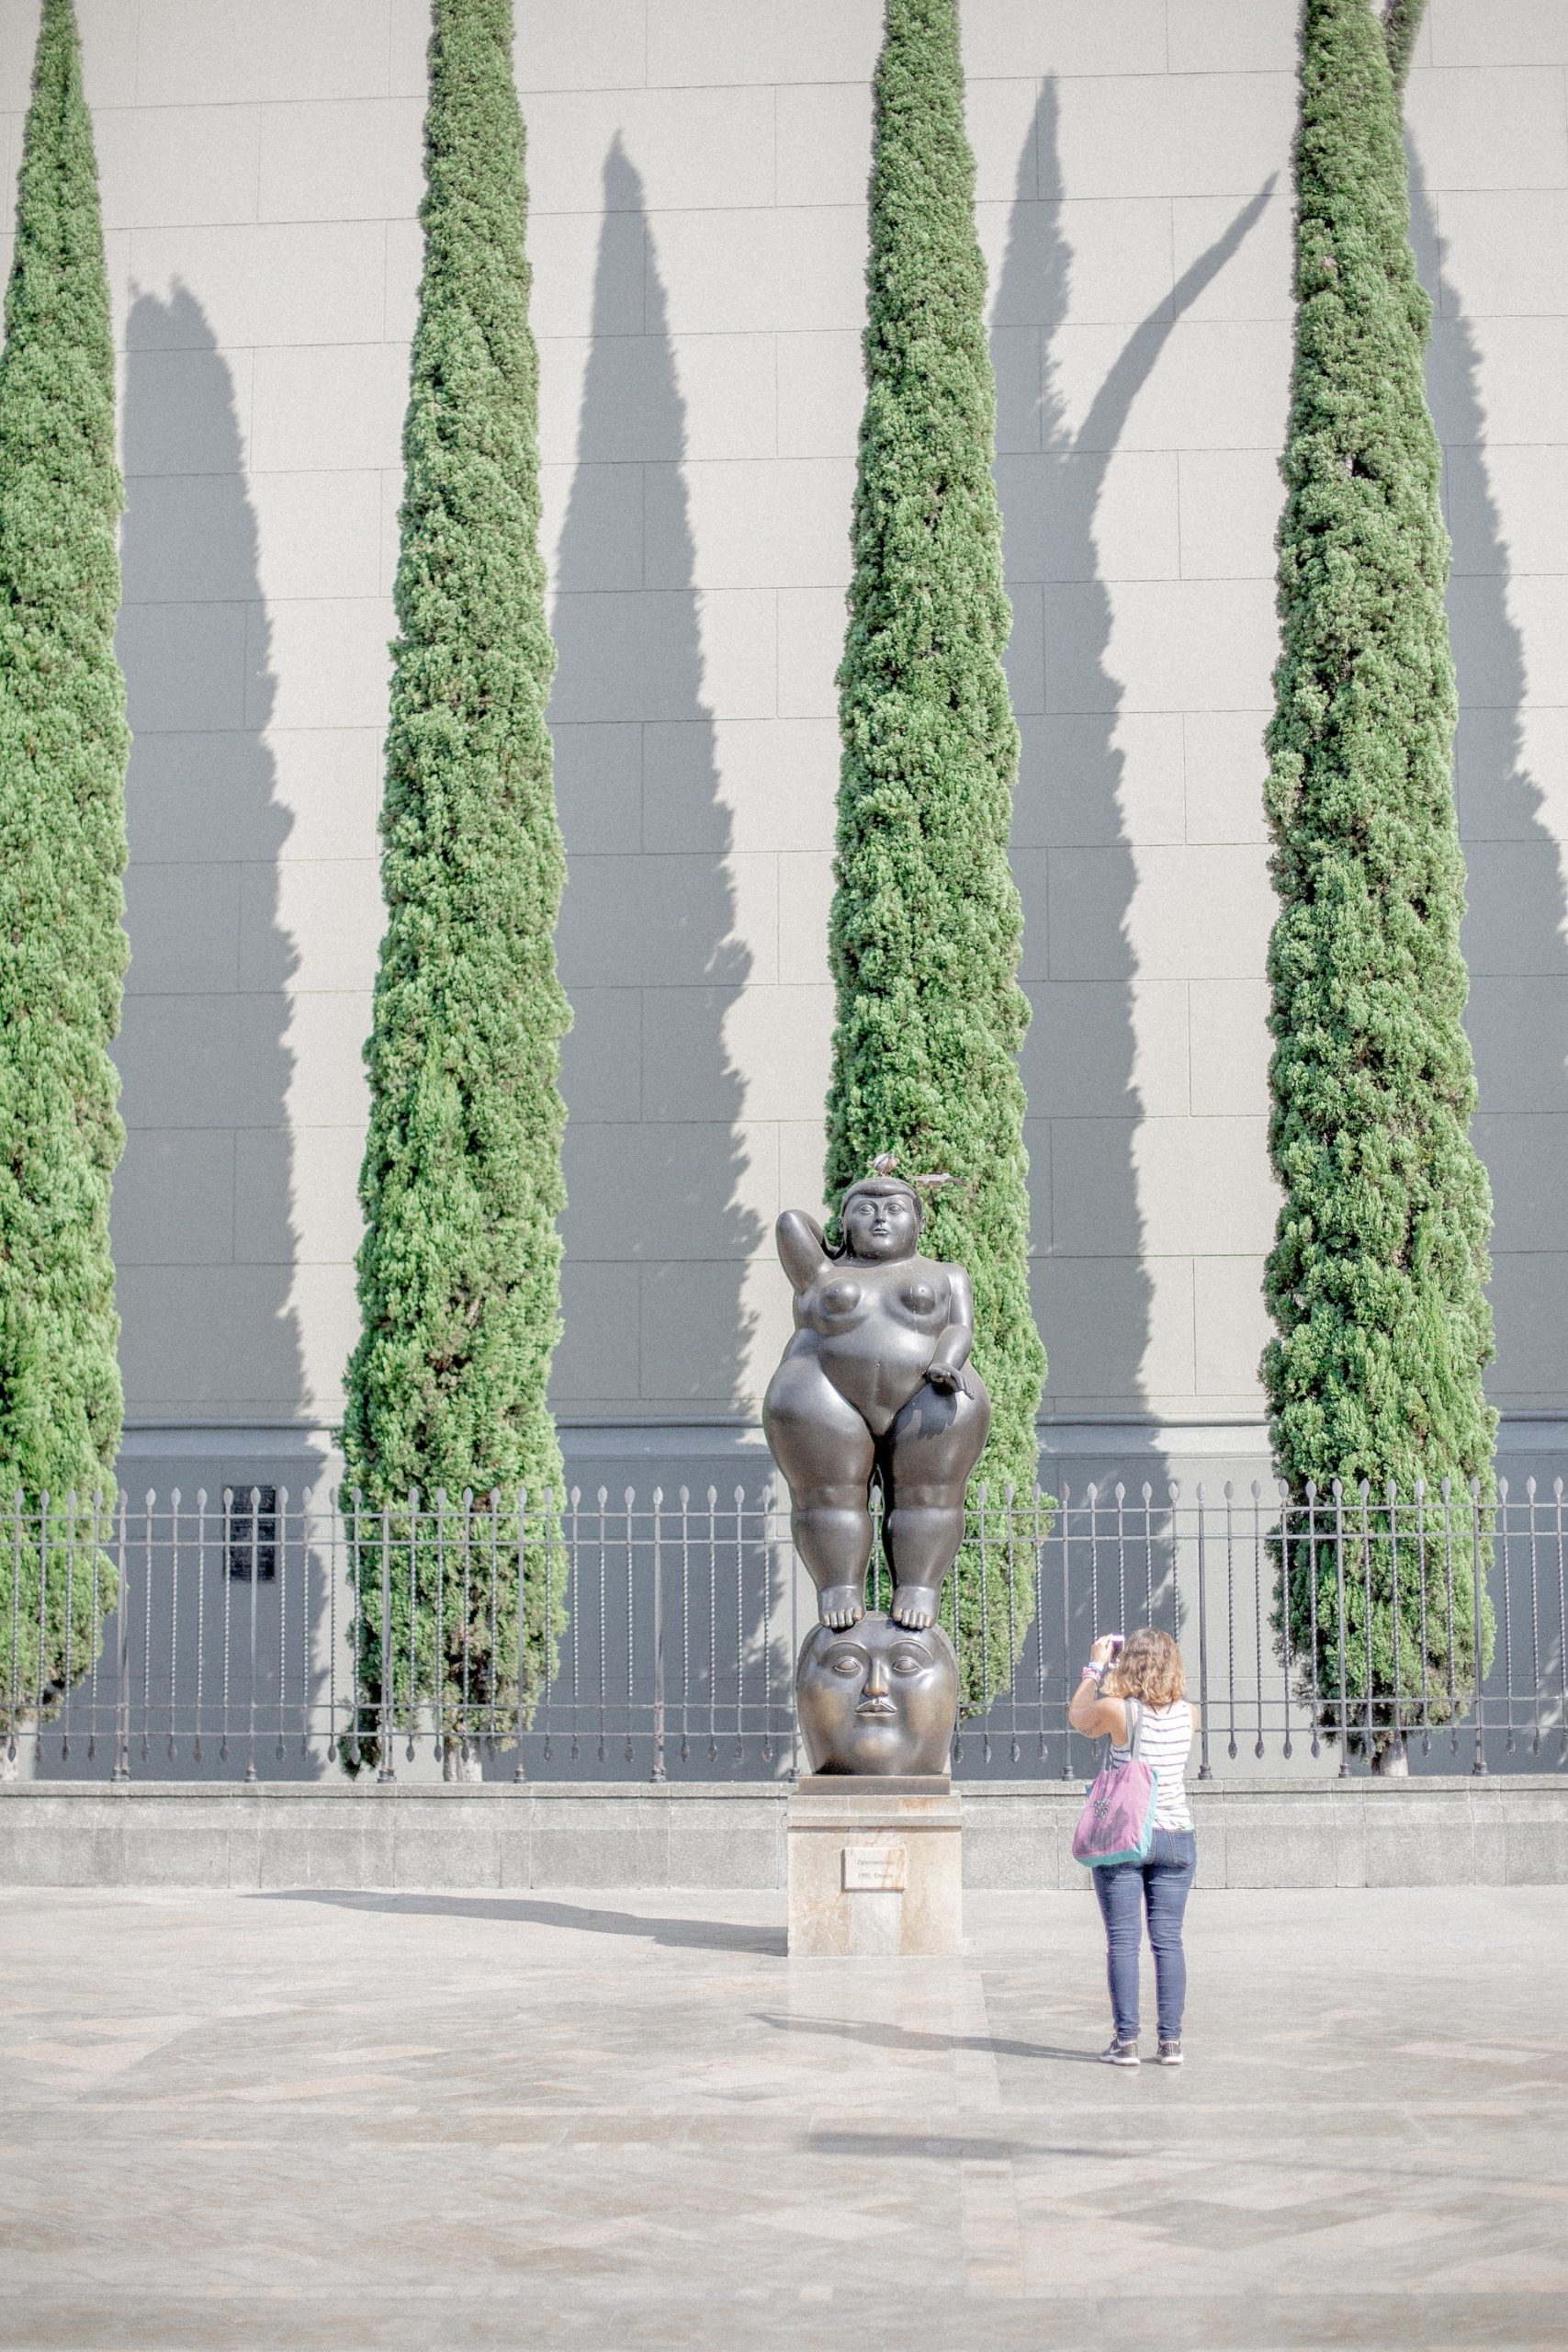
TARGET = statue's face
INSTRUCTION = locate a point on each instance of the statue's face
(881, 1225)
(876, 1699)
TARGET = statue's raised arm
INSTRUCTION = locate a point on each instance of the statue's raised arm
(803, 1250)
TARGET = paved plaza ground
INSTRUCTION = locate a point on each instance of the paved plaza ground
(600, 2121)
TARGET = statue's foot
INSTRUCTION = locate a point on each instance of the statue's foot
(914, 1606)
(840, 1605)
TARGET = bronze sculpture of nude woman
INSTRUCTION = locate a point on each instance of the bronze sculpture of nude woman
(875, 1385)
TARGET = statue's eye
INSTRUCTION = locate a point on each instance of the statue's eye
(846, 1665)
(908, 1662)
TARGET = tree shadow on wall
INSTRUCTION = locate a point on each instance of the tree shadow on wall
(1516, 920)
(657, 1234)
(204, 1238)
(209, 1029)
(1071, 840)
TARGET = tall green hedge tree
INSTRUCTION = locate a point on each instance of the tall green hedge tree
(926, 920)
(459, 1271)
(1401, 23)
(1377, 1279)
(63, 745)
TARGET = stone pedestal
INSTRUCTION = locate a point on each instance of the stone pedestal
(874, 1868)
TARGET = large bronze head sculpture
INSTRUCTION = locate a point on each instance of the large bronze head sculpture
(874, 1697)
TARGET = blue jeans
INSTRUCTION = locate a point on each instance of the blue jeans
(1163, 1882)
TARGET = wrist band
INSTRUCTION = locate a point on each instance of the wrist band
(1098, 1671)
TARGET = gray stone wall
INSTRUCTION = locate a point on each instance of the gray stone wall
(698, 171)
(1272, 1834)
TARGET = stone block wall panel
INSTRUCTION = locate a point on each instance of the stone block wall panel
(698, 240)
(1017, 1838)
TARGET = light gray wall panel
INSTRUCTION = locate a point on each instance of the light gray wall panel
(821, 138)
(167, 166)
(265, 284)
(1505, 32)
(1228, 1047)
(1061, 796)
(223, 51)
(345, 160)
(1075, 1057)
(697, 236)
(1490, 148)
(702, 148)
(175, 1198)
(602, 1056)
(599, 785)
(1060, 37)
(595, 44)
(185, 666)
(810, 642)
(1224, 766)
(318, 1166)
(324, 662)
(1489, 128)
(690, 43)
(1515, 519)
(597, 1365)
(1234, 36)
(186, 919)
(326, 407)
(1230, 1328)
(1164, 134)
(1112, 1323)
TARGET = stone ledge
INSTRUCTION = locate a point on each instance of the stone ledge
(1261, 1834)
(339, 1791)
(1297, 1787)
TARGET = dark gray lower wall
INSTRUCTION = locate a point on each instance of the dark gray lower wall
(1263, 1834)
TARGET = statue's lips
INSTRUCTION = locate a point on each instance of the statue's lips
(877, 1707)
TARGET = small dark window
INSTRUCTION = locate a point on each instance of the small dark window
(253, 1534)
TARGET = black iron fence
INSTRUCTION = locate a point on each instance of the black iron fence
(249, 1632)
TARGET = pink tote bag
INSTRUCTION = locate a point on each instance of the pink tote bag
(1117, 1825)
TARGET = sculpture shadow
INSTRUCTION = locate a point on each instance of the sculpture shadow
(685, 1935)
(1073, 851)
(657, 1235)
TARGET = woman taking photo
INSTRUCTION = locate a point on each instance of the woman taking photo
(1144, 1677)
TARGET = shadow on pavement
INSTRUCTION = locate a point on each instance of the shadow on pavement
(953, 2146)
(910, 2038)
(697, 1934)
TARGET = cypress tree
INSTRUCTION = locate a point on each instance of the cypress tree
(1377, 1279)
(926, 920)
(459, 1271)
(63, 745)
(1401, 23)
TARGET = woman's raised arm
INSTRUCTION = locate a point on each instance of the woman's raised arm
(1087, 1711)
(802, 1252)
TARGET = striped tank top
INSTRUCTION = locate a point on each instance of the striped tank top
(1163, 1745)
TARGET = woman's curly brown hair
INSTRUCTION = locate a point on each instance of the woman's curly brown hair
(1148, 1667)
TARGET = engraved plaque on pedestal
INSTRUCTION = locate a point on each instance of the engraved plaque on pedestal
(876, 1870)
